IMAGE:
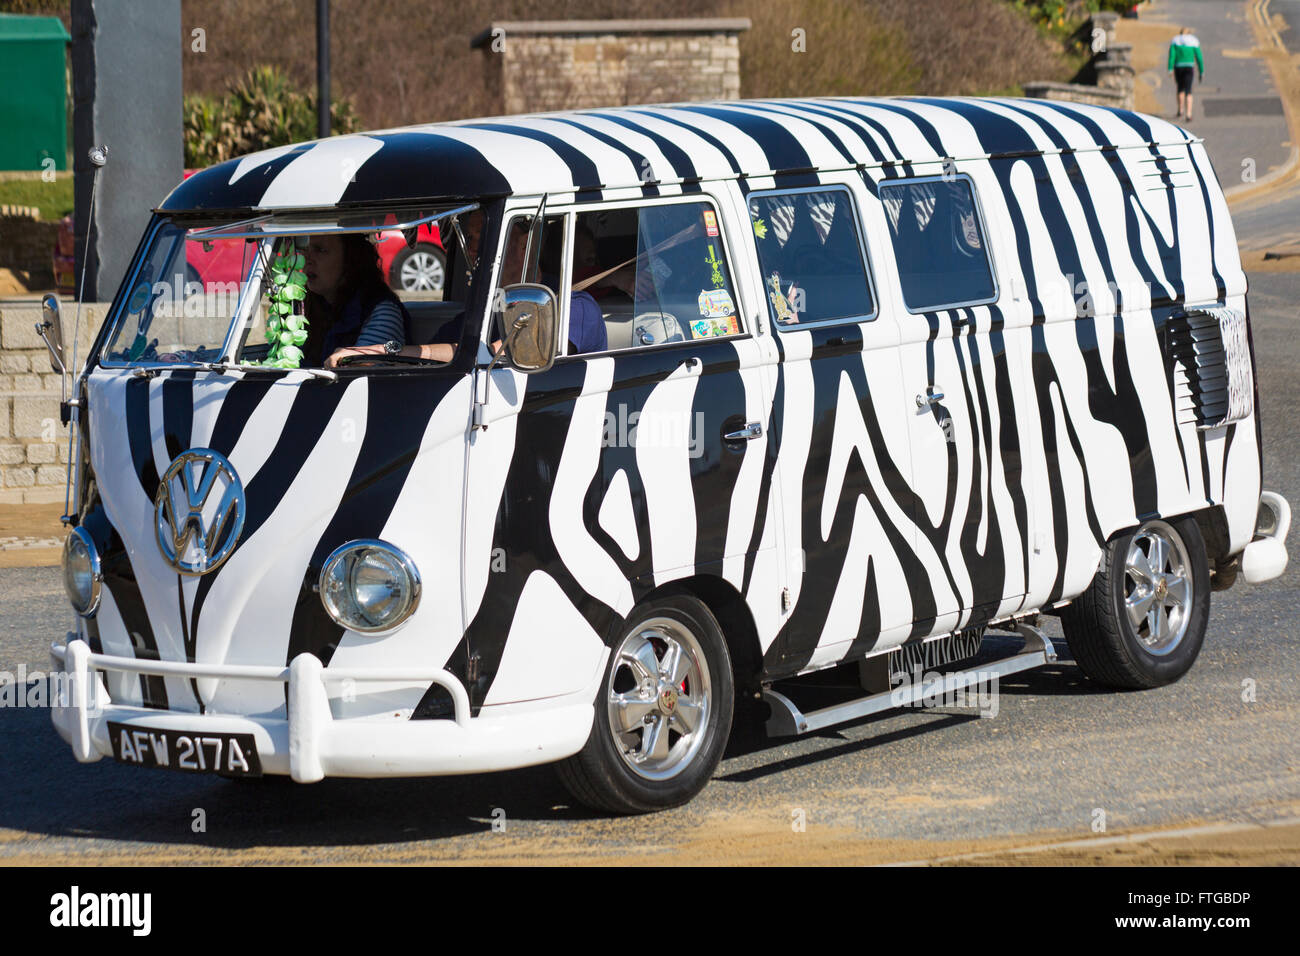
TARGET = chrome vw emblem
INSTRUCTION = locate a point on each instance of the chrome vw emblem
(199, 511)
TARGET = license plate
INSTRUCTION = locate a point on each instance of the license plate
(227, 754)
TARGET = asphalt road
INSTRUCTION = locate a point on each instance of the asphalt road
(1058, 751)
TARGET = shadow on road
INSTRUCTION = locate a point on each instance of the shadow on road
(49, 795)
(46, 792)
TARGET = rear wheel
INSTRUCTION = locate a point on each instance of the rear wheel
(1142, 621)
(663, 713)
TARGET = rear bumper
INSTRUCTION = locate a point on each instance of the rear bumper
(1265, 557)
(310, 744)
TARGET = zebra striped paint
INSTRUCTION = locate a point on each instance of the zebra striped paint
(883, 525)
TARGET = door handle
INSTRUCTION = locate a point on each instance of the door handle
(751, 431)
(932, 395)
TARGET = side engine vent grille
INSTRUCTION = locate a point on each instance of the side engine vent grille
(1211, 366)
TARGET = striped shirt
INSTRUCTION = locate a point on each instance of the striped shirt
(384, 324)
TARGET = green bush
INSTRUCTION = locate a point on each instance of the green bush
(1056, 14)
(261, 110)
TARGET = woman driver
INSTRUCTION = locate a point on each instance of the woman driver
(348, 302)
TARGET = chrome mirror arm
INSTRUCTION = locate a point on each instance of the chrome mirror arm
(480, 405)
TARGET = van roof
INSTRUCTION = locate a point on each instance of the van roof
(590, 151)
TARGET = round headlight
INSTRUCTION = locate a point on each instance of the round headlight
(369, 586)
(81, 577)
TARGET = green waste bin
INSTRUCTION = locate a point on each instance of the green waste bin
(33, 92)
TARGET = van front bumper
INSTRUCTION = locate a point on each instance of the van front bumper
(310, 744)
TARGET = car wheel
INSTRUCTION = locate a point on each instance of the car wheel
(422, 268)
(1142, 621)
(663, 713)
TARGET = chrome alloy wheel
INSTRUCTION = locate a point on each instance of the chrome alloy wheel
(659, 698)
(1158, 590)
(422, 272)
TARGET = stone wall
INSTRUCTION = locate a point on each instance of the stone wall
(1109, 79)
(542, 65)
(1078, 93)
(26, 242)
(33, 442)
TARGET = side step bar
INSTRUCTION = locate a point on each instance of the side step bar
(788, 720)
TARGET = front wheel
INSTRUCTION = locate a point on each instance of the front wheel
(1142, 621)
(663, 713)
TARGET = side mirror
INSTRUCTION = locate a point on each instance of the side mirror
(52, 326)
(530, 316)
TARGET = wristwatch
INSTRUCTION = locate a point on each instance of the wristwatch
(391, 348)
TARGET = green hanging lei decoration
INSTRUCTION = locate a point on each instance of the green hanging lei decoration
(286, 326)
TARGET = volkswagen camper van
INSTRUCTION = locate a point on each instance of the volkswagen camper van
(717, 396)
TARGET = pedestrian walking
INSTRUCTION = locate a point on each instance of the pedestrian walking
(1184, 63)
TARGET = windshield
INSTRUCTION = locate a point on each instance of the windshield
(287, 290)
(182, 299)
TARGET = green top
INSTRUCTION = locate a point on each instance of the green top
(1185, 50)
(14, 26)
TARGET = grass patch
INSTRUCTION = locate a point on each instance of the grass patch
(54, 200)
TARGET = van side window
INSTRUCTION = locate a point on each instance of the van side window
(653, 274)
(544, 257)
(943, 258)
(539, 261)
(810, 256)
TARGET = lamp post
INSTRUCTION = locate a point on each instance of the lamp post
(322, 68)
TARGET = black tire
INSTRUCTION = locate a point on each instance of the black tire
(422, 259)
(600, 776)
(1107, 645)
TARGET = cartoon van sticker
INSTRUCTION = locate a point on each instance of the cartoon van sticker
(716, 303)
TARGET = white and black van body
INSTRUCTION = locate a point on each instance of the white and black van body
(893, 371)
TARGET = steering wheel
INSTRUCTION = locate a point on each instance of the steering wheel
(656, 328)
(399, 359)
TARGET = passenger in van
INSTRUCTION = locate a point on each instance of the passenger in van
(586, 327)
(625, 286)
(348, 303)
(586, 320)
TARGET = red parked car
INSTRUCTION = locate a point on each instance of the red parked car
(65, 258)
(418, 268)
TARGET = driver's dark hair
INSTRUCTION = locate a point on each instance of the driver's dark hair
(362, 272)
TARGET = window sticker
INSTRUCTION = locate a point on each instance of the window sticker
(784, 314)
(713, 328)
(970, 233)
(717, 278)
(710, 222)
(139, 298)
(716, 303)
